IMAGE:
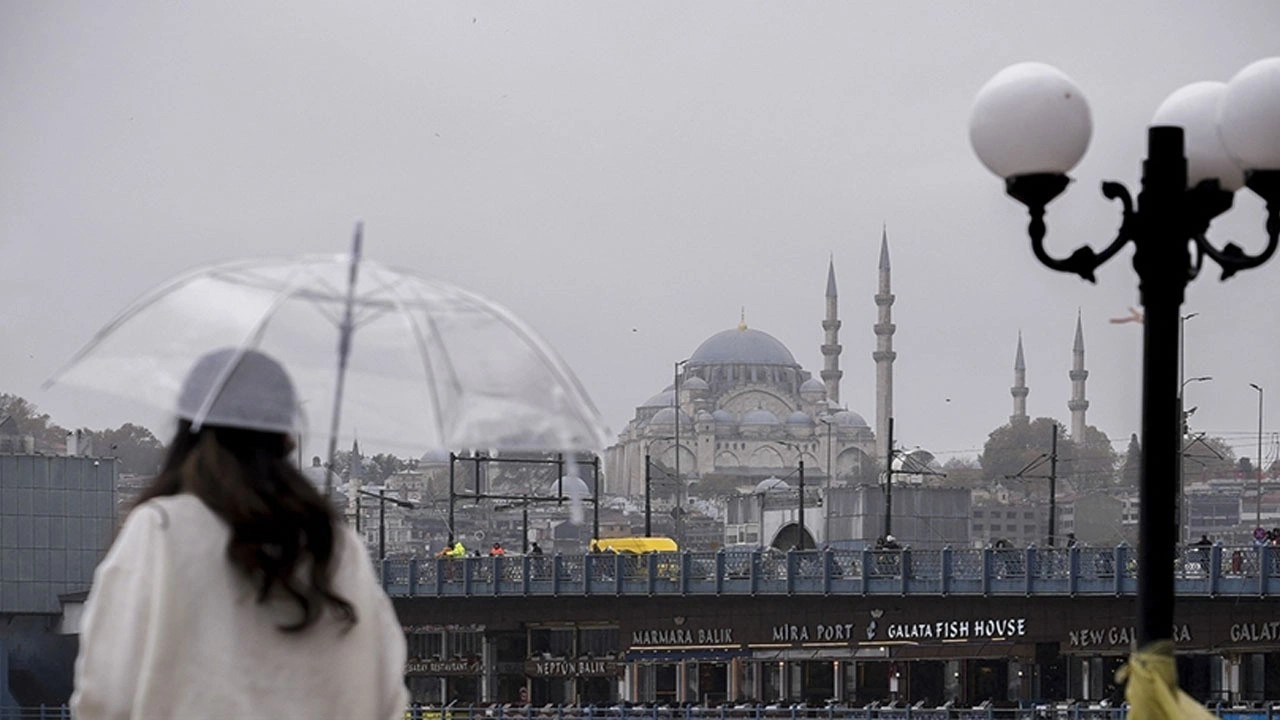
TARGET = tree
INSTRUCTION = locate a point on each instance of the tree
(1094, 464)
(49, 438)
(1132, 468)
(1011, 448)
(138, 450)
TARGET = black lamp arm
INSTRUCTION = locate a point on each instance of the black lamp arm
(1232, 258)
(1084, 261)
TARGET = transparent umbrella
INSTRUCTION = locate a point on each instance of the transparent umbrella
(409, 362)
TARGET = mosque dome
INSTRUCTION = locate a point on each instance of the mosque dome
(667, 416)
(434, 457)
(724, 417)
(695, 383)
(849, 418)
(813, 385)
(760, 416)
(799, 418)
(572, 486)
(772, 485)
(704, 417)
(742, 345)
(666, 398)
(916, 462)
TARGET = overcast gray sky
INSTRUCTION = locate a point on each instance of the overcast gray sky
(625, 176)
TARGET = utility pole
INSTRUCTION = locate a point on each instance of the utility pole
(888, 483)
(648, 495)
(800, 543)
(1053, 486)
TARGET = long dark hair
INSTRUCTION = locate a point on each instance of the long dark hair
(279, 522)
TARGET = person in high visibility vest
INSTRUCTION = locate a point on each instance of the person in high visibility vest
(457, 551)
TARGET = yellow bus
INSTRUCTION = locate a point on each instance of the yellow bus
(635, 545)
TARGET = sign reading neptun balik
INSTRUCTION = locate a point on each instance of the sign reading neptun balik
(579, 667)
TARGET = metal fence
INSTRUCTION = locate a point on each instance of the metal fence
(1055, 711)
(1198, 571)
(1059, 711)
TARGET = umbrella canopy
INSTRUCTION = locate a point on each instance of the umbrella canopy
(411, 363)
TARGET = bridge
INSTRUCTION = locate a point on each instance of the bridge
(1244, 571)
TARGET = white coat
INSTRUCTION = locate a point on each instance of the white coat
(172, 630)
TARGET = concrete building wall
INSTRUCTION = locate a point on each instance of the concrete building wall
(57, 517)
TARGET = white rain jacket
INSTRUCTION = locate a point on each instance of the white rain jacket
(172, 630)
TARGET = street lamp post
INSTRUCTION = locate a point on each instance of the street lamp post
(675, 401)
(1182, 513)
(381, 497)
(1258, 469)
(826, 499)
(1030, 124)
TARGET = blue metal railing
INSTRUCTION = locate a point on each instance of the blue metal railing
(1085, 571)
(1054, 711)
(1058, 711)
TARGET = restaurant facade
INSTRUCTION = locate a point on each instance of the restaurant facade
(815, 649)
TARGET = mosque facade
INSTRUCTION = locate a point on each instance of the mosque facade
(742, 410)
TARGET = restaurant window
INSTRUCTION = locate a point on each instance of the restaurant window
(465, 644)
(425, 645)
(598, 642)
(551, 642)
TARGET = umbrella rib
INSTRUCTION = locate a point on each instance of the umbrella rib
(143, 302)
(549, 359)
(427, 366)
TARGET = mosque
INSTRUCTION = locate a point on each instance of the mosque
(742, 415)
(742, 410)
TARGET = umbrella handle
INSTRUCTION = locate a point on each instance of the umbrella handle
(344, 350)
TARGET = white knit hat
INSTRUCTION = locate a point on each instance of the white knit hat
(239, 389)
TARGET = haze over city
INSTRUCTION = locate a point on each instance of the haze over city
(629, 179)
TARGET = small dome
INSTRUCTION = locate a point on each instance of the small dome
(724, 417)
(916, 462)
(772, 485)
(666, 398)
(695, 383)
(799, 418)
(742, 345)
(849, 418)
(813, 385)
(434, 457)
(571, 486)
(759, 416)
(667, 416)
(704, 417)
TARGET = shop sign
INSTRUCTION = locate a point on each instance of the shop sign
(1255, 632)
(981, 629)
(656, 637)
(442, 667)
(1120, 635)
(572, 668)
(818, 632)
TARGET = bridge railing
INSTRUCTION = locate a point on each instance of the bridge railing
(1045, 711)
(1202, 571)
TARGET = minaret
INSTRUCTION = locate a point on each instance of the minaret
(1077, 405)
(1019, 389)
(884, 354)
(831, 373)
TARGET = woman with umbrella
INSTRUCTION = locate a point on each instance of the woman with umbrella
(233, 589)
